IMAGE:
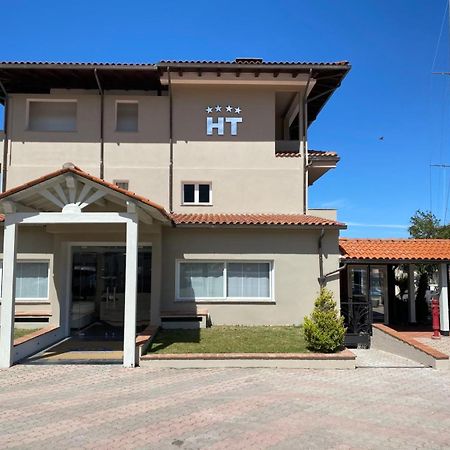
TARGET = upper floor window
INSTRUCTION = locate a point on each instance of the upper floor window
(123, 184)
(127, 115)
(52, 115)
(197, 194)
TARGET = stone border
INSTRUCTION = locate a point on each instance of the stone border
(34, 335)
(341, 360)
(387, 339)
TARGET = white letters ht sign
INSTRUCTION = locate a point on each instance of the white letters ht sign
(220, 124)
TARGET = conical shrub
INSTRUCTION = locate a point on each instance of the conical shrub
(324, 329)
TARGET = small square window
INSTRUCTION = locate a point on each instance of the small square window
(123, 184)
(127, 116)
(196, 193)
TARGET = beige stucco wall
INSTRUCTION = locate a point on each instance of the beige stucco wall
(245, 174)
(296, 270)
(52, 243)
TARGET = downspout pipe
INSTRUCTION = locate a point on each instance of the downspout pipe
(323, 277)
(6, 138)
(170, 141)
(304, 137)
(102, 115)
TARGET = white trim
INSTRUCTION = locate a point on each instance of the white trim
(225, 298)
(196, 201)
(46, 218)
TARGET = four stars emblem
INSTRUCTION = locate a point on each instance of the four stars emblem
(228, 109)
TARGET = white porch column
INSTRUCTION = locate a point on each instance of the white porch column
(411, 294)
(443, 298)
(9, 291)
(129, 334)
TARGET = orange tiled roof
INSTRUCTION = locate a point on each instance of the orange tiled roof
(395, 249)
(253, 219)
(76, 170)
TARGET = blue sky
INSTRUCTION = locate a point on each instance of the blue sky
(390, 91)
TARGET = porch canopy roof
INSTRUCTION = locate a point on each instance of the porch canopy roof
(71, 190)
(394, 250)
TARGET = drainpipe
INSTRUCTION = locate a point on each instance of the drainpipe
(170, 142)
(323, 277)
(304, 139)
(5, 141)
(102, 139)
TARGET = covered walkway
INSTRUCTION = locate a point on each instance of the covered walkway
(380, 282)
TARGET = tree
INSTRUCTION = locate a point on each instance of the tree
(425, 225)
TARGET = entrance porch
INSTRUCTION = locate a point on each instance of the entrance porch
(392, 281)
(103, 246)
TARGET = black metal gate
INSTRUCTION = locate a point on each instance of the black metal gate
(358, 321)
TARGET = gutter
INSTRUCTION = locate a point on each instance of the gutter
(170, 142)
(304, 139)
(102, 139)
(5, 138)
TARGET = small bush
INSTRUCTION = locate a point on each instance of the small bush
(324, 329)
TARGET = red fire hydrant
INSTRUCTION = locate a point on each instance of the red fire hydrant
(436, 318)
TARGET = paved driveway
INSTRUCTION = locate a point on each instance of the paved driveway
(98, 406)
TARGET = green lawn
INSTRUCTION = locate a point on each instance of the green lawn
(20, 332)
(230, 339)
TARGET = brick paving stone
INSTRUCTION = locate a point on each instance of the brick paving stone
(378, 358)
(106, 406)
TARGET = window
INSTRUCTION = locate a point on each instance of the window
(127, 116)
(123, 184)
(52, 115)
(197, 194)
(221, 280)
(31, 280)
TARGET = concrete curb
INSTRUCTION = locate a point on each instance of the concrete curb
(342, 360)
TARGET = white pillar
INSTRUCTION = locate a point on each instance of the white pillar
(443, 298)
(411, 294)
(8, 300)
(129, 333)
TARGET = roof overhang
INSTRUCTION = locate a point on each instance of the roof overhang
(327, 77)
(40, 78)
(394, 251)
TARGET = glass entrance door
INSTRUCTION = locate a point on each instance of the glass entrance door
(368, 283)
(378, 293)
(98, 289)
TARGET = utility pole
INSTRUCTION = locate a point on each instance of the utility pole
(444, 197)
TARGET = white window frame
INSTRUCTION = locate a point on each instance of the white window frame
(50, 100)
(225, 298)
(115, 116)
(196, 201)
(28, 299)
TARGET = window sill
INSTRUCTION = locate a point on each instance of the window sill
(224, 301)
(196, 204)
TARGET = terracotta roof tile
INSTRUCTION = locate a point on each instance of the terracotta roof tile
(395, 249)
(76, 170)
(311, 154)
(253, 219)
